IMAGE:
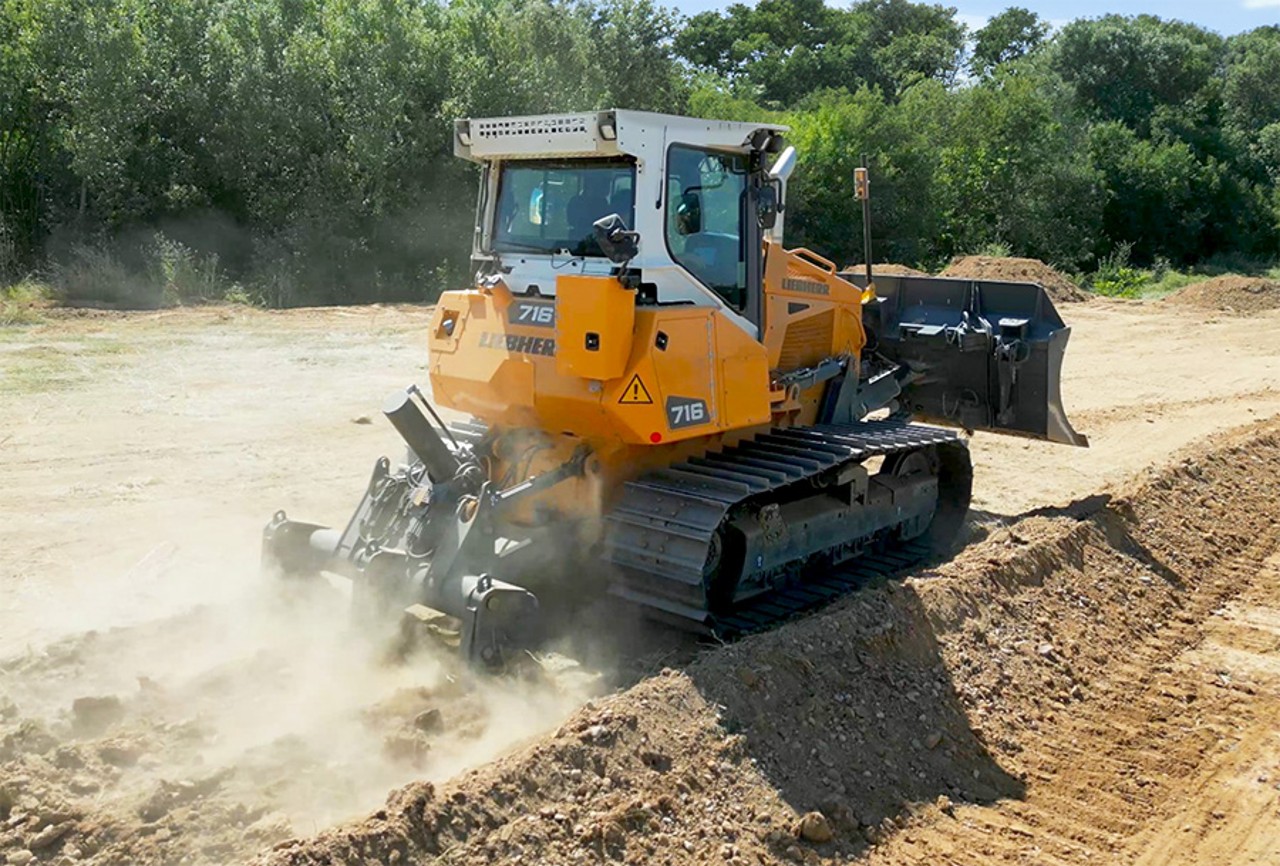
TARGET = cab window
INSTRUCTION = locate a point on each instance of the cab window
(706, 201)
(545, 206)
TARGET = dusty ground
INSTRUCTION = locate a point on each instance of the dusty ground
(141, 455)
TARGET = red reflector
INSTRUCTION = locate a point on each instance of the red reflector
(655, 437)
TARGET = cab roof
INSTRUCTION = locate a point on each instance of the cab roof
(611, 132)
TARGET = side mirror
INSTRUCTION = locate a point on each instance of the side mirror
(767, 205)
(617, 243)
(783, 165)
(689, 213)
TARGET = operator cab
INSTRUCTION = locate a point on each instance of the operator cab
(697, 192)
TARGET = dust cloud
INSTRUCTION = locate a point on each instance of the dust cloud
(261, 713)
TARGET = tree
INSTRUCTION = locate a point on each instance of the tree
(1011, 171)
(1014, 33)
(1123, 68)
(632, 42)
(784, 50)
(1157, 193)
(1253, 70)
(902, 141)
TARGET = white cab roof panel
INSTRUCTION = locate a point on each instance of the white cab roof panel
(592, 133)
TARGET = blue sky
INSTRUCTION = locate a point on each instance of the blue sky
(1225, 16)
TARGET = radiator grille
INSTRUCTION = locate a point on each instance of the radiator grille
(808, 341)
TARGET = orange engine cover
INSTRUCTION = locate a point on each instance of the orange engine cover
(594, 364)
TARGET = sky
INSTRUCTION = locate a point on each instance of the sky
(1225, 16)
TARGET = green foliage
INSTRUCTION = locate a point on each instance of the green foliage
(783, 50)
(1158, 284)
(1156, 199)
(20, 302)
(300, 151)
(1123, 68)
(1009, 172)
(238, 295)
(97, 275)
(183, 275)
(1014, 33)
(900, 139)
(1115, 277)
(994, 249)
(1249, 90)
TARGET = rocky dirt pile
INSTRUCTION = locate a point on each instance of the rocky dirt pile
(202, 740)
(1230, 293)
(897, 708)
(1017, 270)
(890, 269)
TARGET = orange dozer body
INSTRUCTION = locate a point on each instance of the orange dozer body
(640, 386)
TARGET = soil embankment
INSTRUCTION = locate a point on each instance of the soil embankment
(1025, 694)
(1231, 293)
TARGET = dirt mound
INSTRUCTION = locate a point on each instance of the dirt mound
(210, 753)
(1017, 270)
(960, 689)
(887, 269)
(1230, 293)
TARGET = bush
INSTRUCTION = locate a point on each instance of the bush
(95, 274)
(159, 273)
(1115, 278)
(185, 276)
(20, 303)
(994, 250)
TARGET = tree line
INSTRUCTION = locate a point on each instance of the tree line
(299, 151)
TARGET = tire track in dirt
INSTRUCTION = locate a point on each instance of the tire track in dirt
(1176, 761)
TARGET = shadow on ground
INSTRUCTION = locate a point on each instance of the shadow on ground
(854, 714)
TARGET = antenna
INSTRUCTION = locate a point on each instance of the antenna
(862, 192)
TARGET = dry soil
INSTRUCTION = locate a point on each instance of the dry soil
(1017, 270)
(1230, 293)
(1095, 680)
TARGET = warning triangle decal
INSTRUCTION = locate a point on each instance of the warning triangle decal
(635, 392)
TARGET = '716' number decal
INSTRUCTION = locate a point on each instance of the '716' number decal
(686, 412)
(542, 314)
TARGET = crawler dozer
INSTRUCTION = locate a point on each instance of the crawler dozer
(649, 399)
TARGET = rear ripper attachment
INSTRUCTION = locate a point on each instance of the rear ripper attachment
(425, 534)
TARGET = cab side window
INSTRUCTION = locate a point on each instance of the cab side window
(706, 203)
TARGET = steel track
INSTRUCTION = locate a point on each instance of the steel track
(660, 532)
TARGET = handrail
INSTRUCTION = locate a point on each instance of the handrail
(814, 259)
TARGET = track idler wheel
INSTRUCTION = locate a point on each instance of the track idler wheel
(951, 464)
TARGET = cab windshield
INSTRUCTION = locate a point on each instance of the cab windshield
(545, 206)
